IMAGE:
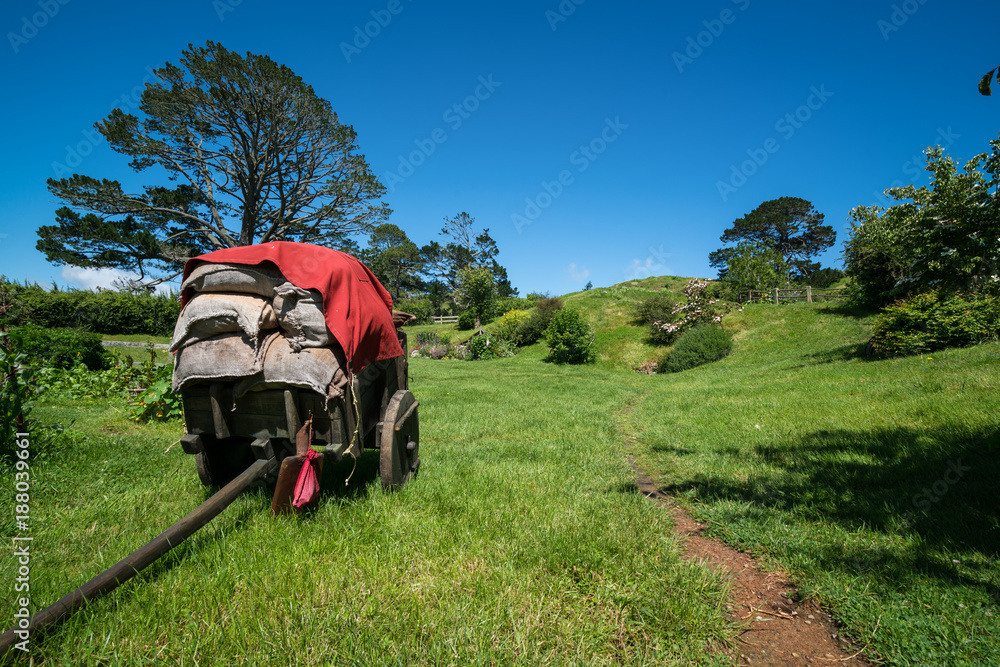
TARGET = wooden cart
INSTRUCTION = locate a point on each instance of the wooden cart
(377, 411)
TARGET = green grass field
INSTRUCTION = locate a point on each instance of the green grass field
(524, 539)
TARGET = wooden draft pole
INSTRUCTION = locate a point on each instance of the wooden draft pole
(139, 560)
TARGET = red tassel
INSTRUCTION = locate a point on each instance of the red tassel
(307, 485)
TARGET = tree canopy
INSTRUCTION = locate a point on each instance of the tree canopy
(788, 225)
(250, 155)
(947, 236)
(754, 266)
(393, 258)
(465, 248)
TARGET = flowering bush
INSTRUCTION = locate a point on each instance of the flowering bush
(430, 345)
(699, 309)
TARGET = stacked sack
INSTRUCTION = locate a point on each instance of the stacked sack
(246, 324)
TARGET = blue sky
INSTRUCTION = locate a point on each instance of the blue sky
(597, 141)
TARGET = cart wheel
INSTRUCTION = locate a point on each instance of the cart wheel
(223, 460)
(400, 438)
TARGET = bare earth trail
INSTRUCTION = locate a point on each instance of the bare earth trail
(778, 629)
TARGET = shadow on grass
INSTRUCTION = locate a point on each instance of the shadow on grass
(937, 487)
(357, 475)
(842, 353)
(846, 310)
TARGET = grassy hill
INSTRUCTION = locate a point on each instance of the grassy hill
(524, 540)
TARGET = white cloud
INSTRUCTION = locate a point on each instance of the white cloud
(91, 278)
(639, 269)
(577, 274)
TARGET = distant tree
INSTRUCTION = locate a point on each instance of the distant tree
(788, 225)
(823, 278)
(465, 248)
(588, 286)
(504, 288)
(755, 266)
(393, 258)
(256, 156)
(477, 292)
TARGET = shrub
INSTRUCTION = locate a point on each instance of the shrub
(62, 348)
(16, 394)
(933, 321)
(466, 321)
(570, 338)
(531, 330)
(507, 326)
(548, 306)
(158, 400)
(701, 345)
(486, 346)
(420, 307)
(657, 307)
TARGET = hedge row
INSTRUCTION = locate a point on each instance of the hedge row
(61, 348)
(100, 312)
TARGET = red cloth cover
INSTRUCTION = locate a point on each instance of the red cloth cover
(357, 308)
(307, 485)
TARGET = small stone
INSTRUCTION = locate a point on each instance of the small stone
(795, 655)
(829, 656)
(811, 617)
(809, 622)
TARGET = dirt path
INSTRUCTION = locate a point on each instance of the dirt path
(778, 630)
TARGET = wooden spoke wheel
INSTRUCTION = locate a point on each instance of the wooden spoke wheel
(398, 459)
(222, 460)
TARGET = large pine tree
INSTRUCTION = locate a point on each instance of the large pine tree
(790, 226)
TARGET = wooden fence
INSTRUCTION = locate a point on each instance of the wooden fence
(444, 319)
(808, 294)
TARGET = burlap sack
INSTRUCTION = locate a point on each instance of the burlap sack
(300, 315)
(214, 313)
(223, 358)
(257, 279)
(320, 369)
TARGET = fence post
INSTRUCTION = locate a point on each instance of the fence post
(809, 294)
(776, 302)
